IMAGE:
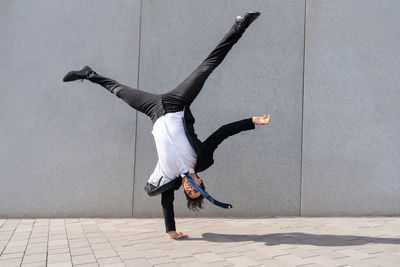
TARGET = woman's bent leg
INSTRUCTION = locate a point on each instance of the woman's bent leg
(145, 102)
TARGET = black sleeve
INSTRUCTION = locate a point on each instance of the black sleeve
(227, 130)
(167, 202)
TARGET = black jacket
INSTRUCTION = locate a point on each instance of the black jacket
(204, 150)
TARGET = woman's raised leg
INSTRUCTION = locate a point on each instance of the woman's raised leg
(188, 90)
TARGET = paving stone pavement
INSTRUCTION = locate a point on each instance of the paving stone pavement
(276, 241)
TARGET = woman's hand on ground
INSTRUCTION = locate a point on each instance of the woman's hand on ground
(176, 235)
(262, 120)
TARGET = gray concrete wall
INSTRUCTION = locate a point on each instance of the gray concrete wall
(74, 149)
(66, 149)
(351, 150)
(258, 172)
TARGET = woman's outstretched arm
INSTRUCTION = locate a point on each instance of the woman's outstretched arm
(214, 140)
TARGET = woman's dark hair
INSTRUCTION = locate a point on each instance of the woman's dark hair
(195, 204)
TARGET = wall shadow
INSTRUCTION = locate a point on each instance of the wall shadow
(299, 238)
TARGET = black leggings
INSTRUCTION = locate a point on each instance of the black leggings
(156, 105)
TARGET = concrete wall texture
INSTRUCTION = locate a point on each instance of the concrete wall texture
(327, 72)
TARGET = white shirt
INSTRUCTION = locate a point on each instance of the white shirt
(175, 154)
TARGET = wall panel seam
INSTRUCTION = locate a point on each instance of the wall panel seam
(302, 108)
(136, 112)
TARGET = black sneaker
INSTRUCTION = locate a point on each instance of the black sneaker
(84, 73)
(247, 19)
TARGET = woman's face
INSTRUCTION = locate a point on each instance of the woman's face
(189, 189)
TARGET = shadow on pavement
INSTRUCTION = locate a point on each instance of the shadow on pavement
(298, 238)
